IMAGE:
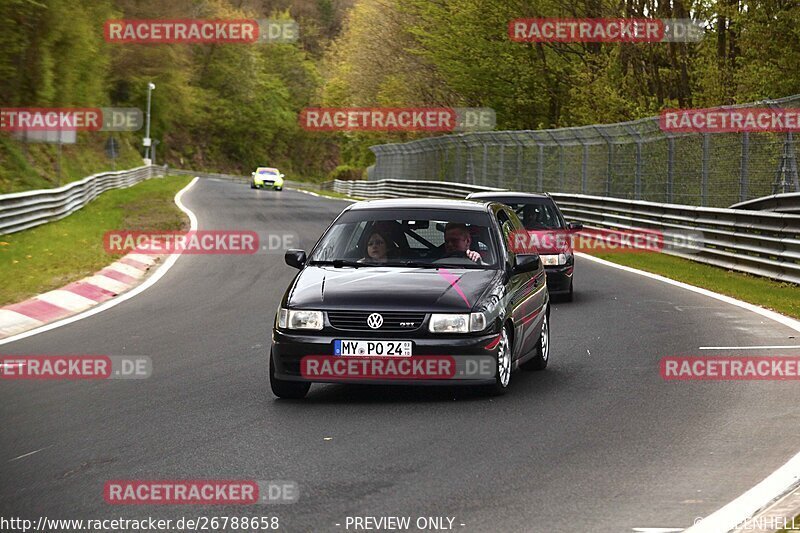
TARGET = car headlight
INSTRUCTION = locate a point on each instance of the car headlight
(299, 319)
(555, 260)
(457, 323)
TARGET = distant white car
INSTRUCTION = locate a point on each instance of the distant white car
(267, 178)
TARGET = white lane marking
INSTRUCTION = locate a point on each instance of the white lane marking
(777, 317)
(152, 280)
(774, 485)
(28, 454)
(322, 195)
(788, 346)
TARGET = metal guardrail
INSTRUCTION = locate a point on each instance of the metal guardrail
(405, 188)
(755, 242)
(24, 210)
(779, 203)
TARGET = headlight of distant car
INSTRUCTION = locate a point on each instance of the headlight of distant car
(457, 322)
(555, 260)
(299, 319)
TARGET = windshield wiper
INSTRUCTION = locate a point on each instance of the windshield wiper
(339, 263)
(412, 264)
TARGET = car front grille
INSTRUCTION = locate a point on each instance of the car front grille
(392, 320)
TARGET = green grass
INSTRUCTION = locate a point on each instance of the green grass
(52, 255)
(781, 297)
(28, 166)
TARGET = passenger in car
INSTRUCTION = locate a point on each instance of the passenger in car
(377, 248)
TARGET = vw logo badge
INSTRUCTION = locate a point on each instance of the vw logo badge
(375, 320)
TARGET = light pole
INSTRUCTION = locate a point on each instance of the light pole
(150, 87)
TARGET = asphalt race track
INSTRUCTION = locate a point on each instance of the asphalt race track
(598, 442)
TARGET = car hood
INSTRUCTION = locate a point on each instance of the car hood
(390, 288)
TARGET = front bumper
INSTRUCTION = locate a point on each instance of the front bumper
(289, 348)
(559, 278)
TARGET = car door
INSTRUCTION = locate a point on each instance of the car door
(530, 290)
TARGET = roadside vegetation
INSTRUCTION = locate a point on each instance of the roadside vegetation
(230, 108)
(55, 254)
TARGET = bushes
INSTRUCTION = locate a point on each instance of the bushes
(347, 172)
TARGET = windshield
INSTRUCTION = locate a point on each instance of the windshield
(266, 171)
(413, 238)
(538, 215)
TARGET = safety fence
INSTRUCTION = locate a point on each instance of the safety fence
(634, 160)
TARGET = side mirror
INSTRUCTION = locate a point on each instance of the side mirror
(281, 176)
(252, 174)
(526, 263)
(295, 258)
(574, 226)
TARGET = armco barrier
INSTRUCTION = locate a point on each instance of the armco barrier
(780, 203)
(756, 242)
(24, 210)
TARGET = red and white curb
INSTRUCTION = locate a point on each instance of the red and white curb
(112, 281)
(108, 288)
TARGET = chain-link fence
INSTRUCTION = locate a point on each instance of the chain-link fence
(635, 160)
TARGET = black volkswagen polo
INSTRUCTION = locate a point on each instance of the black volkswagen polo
(394, 289)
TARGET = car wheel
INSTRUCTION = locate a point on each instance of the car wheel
(503, 368)
(542, 356)
(278, 188)
(252, 185)
(294, 390)
(569, 294)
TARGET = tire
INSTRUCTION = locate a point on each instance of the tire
(542, 356)
(252, 186)
(569, 296)
(503, 367)
(292, 390)
(278, 188)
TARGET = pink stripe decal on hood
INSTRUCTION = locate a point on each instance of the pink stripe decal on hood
(452, 279)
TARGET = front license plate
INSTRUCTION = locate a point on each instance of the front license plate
(372, 348)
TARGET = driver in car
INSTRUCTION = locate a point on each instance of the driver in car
(457, 239)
